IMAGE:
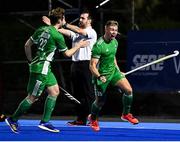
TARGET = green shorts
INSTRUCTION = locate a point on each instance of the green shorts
(38, 82)
(111, 80)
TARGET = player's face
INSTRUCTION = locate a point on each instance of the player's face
(83, 20)
(61, 22)
(111, 31)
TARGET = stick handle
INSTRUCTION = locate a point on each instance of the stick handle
(153, 62)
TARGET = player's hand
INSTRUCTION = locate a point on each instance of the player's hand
(103, 79)
(83, 43)
(46, 20)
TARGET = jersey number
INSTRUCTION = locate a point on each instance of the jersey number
(42, 43)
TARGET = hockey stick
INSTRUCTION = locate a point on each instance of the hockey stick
(154, 62)
(102, 3)
(69, 95)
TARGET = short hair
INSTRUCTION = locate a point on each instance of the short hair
(87, 11)
(56, 14)
(111, 23)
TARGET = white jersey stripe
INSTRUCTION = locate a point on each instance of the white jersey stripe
(36, 87)
(45, 67)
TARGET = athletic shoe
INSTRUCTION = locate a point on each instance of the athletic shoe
(48, 127)
(93, 123)
(2, 118)
(76, 123)
(130, 118)
(12, 124)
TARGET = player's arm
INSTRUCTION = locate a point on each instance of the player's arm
(93, 67)
(46, 20)
(28, 50)
(78, 45)
(75, 29)
(65, 32)
(94, 70)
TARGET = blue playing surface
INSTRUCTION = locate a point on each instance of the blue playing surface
(110, 131)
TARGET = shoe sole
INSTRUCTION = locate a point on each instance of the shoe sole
(128, 121)
(45, 128)
(7, 122)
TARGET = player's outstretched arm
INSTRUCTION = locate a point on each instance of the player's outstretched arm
(28, 50)
(81, 44)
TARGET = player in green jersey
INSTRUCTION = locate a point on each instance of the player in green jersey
(46, 39)
(106, 72)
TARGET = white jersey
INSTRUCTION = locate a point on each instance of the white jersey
(84, 53)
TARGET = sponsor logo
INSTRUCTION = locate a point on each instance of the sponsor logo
(140, 60)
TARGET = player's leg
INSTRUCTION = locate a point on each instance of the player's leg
(34, 89)
(127, 98)
(22, 108)
(100, 98)
(95, 109)
(53, 92)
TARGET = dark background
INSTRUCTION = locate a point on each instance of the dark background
(19, 19)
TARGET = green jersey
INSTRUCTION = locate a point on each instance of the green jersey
(106, 53)
(47, 39)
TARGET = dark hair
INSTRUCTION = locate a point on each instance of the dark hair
(112, 23)
(87, 11)
(56, 14)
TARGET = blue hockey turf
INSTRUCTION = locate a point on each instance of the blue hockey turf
(110, 131)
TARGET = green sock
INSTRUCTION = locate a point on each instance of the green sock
(127, 101)
(95, 111)
(48, 108)
(22, 108)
